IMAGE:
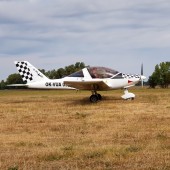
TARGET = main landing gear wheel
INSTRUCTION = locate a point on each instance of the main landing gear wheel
(95, 97)
(99, 96)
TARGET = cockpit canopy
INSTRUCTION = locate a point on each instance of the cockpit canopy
(96, 72)
(101, 72)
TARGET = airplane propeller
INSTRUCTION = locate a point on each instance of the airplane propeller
(142, 69)
(142, 76)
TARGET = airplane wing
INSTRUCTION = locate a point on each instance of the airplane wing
(88, 85)
(129, 86)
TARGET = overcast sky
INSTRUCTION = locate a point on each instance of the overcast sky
(50, 34)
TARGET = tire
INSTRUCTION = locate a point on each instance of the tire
(131, 98)
(93, 98)
(99, 96)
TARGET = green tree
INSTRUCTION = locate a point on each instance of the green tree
(42, 71)
(2, 85)
(79, 65)
(60, 73)
(161, 75)
(52, 74)
(152, 81)
(69, 69)
(14, 79)
(164, 74)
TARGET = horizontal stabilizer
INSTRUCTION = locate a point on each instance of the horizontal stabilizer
(18, 85)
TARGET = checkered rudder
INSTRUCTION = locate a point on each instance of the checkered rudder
(24, 71)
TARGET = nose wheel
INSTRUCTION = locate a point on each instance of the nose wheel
(128, 96)
(95, 97)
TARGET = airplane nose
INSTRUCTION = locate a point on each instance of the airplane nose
(143, 77)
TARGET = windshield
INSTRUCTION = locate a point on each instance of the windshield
(101, 72)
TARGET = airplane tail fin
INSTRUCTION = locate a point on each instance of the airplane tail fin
(28, 72)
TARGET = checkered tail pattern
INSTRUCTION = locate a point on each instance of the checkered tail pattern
(24, 71)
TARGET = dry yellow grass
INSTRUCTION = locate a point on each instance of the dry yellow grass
(63, 130)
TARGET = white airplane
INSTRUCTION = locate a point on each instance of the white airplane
(91, 78)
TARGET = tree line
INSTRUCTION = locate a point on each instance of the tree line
(160, 76)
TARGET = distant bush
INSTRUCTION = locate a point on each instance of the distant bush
(161, 75)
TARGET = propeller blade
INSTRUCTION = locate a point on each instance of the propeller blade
(142, 69)
(142, 76)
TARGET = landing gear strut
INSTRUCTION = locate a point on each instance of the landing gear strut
(128, 96)
(95, 97)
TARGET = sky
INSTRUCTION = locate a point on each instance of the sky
(51, 34)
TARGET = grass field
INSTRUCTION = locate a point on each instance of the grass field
(63, 130)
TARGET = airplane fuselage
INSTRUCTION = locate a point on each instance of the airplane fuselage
(90, 78)
(59, 83)
(52, 84)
